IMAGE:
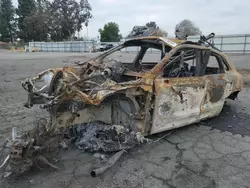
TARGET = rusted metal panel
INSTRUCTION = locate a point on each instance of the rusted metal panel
(214, 97)
(100, 113)
(177, 102)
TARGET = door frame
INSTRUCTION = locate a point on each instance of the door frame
(174, 97)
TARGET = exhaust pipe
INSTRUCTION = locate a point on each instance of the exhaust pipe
(109, 164)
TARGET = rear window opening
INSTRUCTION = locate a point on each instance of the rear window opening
(196, 62)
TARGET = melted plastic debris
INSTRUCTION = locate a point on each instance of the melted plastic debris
(96, 136)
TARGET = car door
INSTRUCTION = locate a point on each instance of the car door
(217, 88)
(178, 99)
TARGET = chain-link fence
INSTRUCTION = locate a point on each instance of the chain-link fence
(69, 46)
(230, 43)
(225, 43)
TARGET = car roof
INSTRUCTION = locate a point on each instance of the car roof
(168, 41)
(171, 42)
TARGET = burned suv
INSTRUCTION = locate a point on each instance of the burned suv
(164, 84)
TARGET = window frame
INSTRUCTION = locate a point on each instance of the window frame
(145, 52)
(219, 61)
(225, 62)
(137, 53)
(187, 49)
(222, 62)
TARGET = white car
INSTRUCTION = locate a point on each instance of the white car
(101, 47)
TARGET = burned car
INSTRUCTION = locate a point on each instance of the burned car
(189, 83)
(111, 102)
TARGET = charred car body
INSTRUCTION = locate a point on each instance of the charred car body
(190, 83)
(107, 104)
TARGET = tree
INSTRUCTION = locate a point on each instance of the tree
(67, 17)
(84, 14)
(24, 10)
(186, 28)
(36, 26)
(110, 32)
(57, 20)
(7, 21)
(161, 33)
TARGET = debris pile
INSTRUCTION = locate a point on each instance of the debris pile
(96, 136)
(30, 149)
(37, 147)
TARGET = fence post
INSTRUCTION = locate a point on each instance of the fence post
(244, 49)
(221, 43)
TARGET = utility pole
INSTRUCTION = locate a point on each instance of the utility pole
(86, 25)
(87, 33)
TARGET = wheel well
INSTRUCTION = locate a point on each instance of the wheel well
(233, 95)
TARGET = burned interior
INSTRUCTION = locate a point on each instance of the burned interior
(194, 62)
(137, 63)
(108, 104)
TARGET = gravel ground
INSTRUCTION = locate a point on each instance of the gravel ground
(213, 153)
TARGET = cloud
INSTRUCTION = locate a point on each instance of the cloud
(219, 16)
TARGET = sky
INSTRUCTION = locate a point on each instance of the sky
(218, 16)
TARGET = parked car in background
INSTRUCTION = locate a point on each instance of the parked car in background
(101, 47)
(108, 46)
